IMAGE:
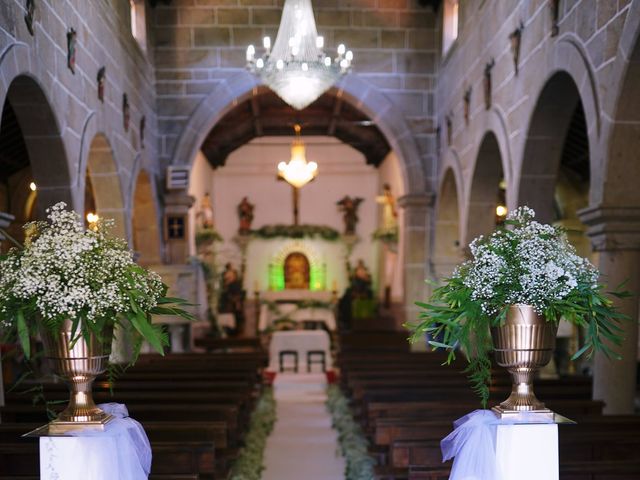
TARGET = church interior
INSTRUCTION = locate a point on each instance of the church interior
(303, 176)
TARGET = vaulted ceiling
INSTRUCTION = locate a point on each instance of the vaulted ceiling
(265, 114)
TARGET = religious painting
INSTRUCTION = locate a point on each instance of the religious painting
(71, 49)
(29, 17)
(297, 272)
(102, 78)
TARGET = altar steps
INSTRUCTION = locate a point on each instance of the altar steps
(406, 403)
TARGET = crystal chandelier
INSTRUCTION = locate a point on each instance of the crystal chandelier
(298, 172)
(296, 68)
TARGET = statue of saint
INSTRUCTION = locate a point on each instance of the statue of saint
(389, 212)
(361, 281)
(349, 207)
(232, 295)
(205, 213)
(245, 214)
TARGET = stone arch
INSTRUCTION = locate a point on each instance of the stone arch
(549, 123)
(354, 90)
(447, 251)
(484, 187)
(104, 180)
(41, 133)
(145, 230)
(621, 132)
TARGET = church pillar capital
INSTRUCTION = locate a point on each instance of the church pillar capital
(416, 200)
(612, 228)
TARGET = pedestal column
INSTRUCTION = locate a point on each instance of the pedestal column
(416, 240)
(615, 235)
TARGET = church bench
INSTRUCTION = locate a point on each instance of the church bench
(158, 431)
(185, 457)
(574, 446)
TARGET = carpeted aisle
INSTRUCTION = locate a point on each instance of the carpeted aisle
(302, 446)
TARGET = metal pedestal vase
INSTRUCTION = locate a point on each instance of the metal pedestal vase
(78, 366)
(523, 345)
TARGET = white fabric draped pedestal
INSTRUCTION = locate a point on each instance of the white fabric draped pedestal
(122, 451)
(488, 448)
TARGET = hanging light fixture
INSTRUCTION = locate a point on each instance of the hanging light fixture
(298, 172)
(297, 69)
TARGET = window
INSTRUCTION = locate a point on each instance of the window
(139, 23)
(449, 24)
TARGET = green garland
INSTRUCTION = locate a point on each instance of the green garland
(386, 235)
(297, 231)
(204, 235)
(250, 462)
(353, 443)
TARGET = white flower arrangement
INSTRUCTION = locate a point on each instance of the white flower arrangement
(66, 271)
(523, 262)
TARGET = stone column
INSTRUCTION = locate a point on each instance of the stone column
(615, 235)
(176, 226)
(416, 239)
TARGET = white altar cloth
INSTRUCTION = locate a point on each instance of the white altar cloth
(299, 315)
(122, 451)
(300, 341)
(488, 448)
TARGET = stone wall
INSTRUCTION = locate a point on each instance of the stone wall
(69, 113)
(201, 44)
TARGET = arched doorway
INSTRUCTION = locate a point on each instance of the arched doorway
(144, 221)
(552, 117)
(378, 111)
(102, 186)
(487, 198)
(34, 172)
(447, 251)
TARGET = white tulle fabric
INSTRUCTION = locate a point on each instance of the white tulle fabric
(472, 444)
(122, 451)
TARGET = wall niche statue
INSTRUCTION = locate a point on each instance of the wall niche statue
(245, 215)
(29, 17)
(101, 79)
(349, 207)
(515, 39)
(487, 83)
(72, 38)
(126, 112)
(467, 105)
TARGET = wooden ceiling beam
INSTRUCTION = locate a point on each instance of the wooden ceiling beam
(255, 110)
(337, 106)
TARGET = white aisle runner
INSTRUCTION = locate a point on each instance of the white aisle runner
(302, 446)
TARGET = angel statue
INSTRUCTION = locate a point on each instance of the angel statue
(349, 207)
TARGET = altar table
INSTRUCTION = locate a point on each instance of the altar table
(301, 341)
(121, 451)
(324, 315)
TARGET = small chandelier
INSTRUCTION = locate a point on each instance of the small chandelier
(297, 69)
(298, 172)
